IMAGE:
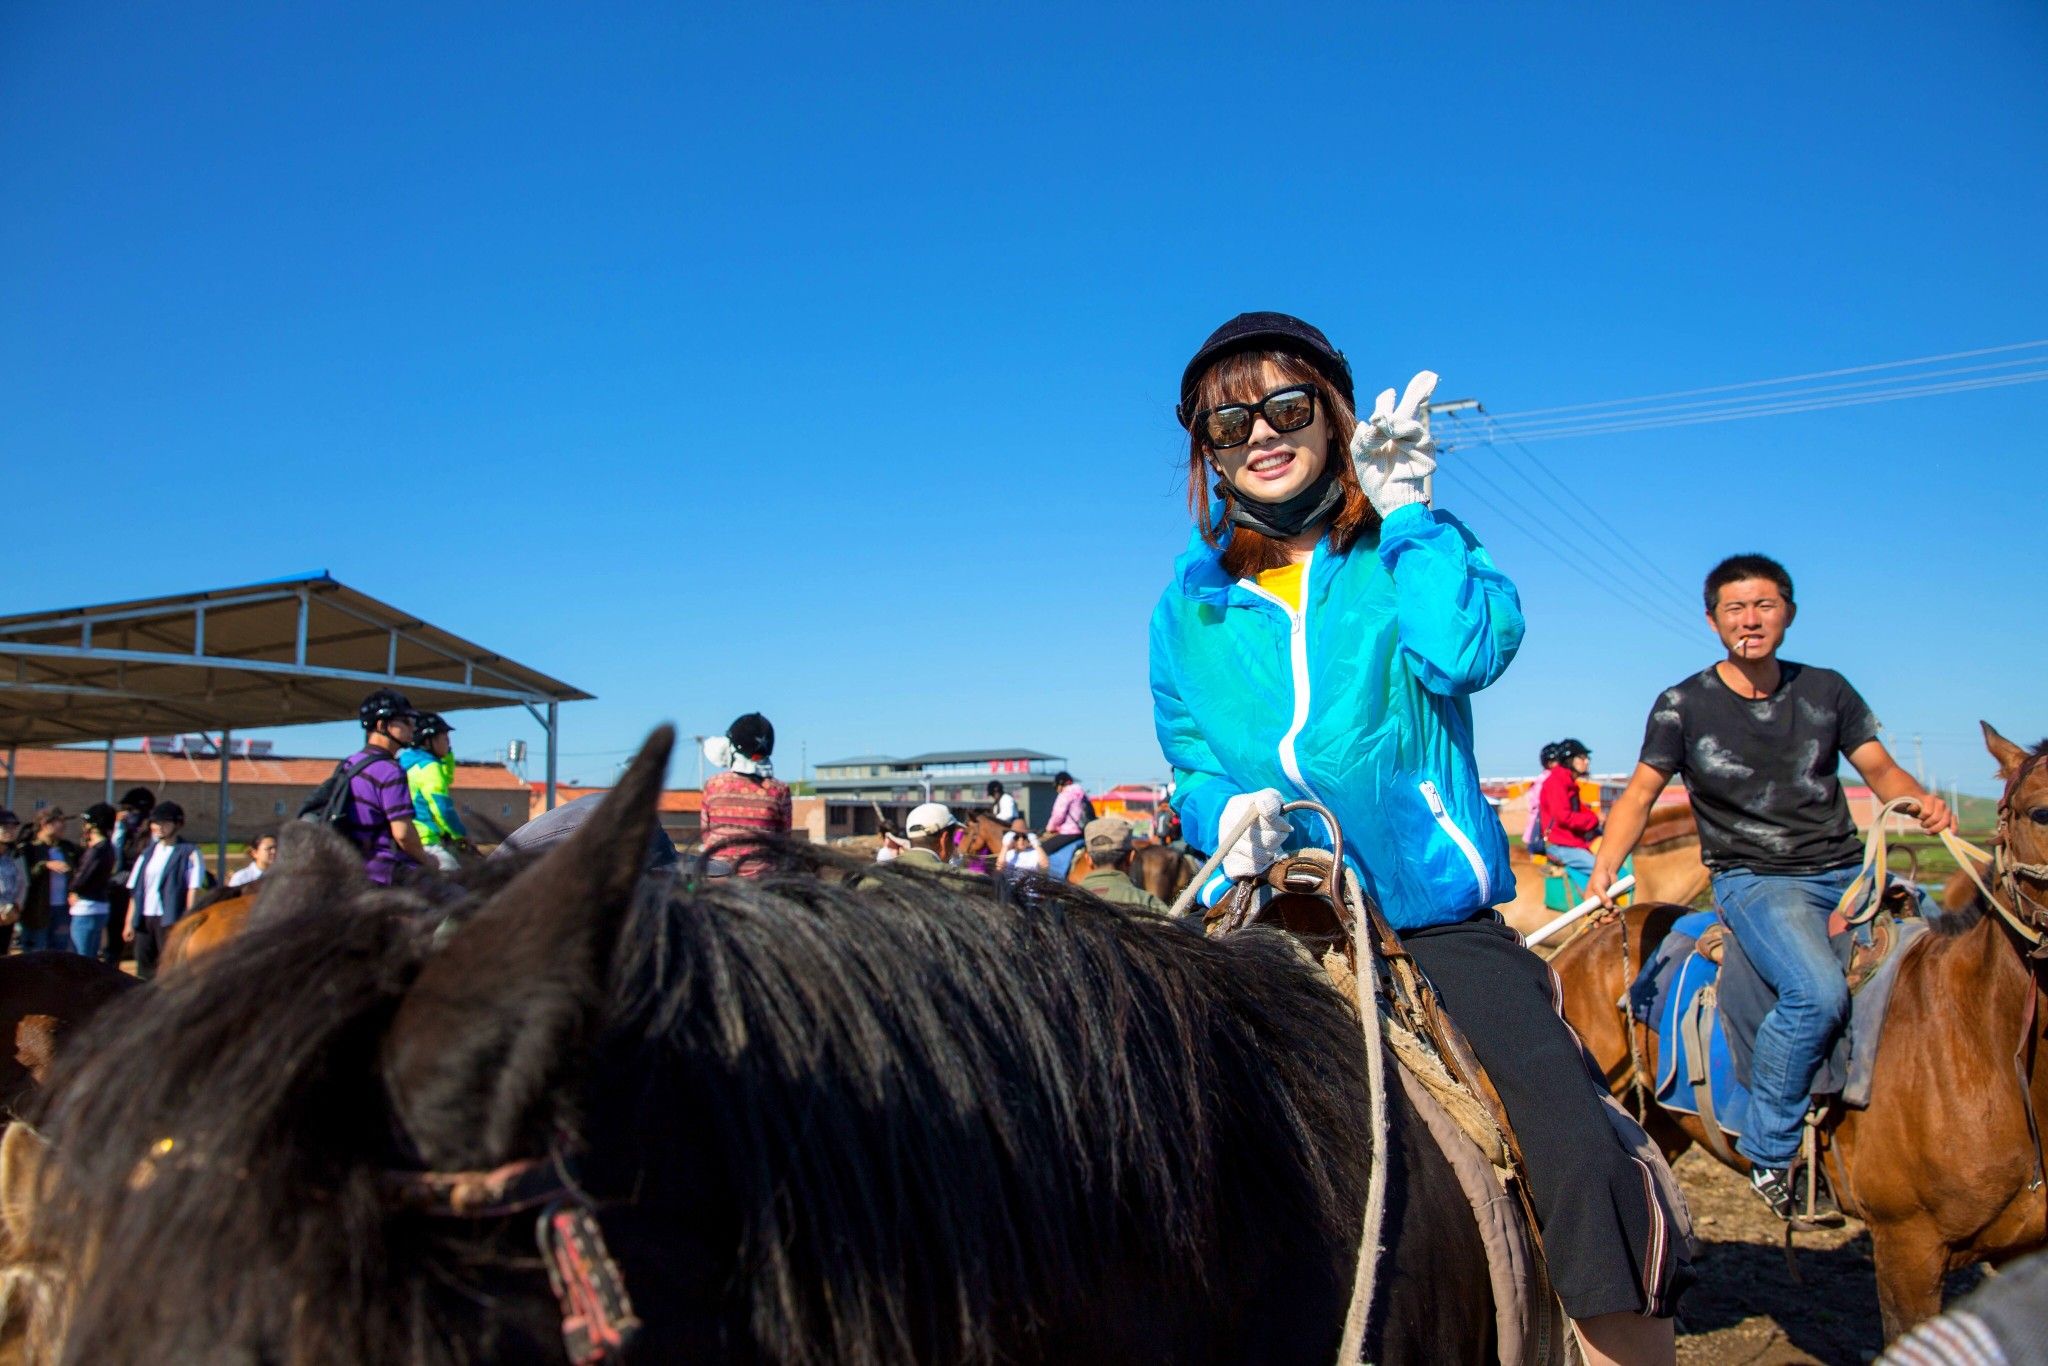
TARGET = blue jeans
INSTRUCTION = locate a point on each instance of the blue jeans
(1781, 921)
(1577, 865)
(54, 935)
(87, 932)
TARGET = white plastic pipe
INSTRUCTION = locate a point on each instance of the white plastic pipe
(1580, 911)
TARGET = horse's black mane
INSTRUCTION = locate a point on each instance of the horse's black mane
(924, 1109)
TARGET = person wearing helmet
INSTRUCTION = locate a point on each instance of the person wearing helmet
(745, 798)
(91, 888)
(1532, 833)
(130, 840)
(429, 764)
(160, 888)
(1002, 805)
(380, 800)
(1568, 828)
(1321, 638)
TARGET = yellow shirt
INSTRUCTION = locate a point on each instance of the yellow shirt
(1283, 583)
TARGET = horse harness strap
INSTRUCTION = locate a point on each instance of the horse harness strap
(1697, 1026)
(598, 1322)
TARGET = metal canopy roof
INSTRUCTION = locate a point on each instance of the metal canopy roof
(271, 654)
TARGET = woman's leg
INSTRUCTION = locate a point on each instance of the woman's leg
(86, 931)
(1578, 868)
(1609, 1246)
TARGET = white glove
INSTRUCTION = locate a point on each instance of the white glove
(1263, 843)
(1393, 450)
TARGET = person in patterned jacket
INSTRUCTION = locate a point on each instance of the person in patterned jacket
(745, 798)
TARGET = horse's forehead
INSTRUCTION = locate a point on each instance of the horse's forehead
(2032, 787)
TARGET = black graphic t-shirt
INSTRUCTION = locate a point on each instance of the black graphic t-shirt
(1762, 773)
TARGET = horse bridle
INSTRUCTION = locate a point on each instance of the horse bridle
(598, 1322)
(2003, 864)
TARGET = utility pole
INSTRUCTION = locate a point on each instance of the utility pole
(1452, 405)
(700, 739)
(1919, 762)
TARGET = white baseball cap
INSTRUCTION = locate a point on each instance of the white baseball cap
(929, 819)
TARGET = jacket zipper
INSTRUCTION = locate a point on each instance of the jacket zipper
(1297, 654)
(1459, 838)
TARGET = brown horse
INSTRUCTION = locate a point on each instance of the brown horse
(1945, 1165)
(1667, 868)
(981, 836)
(1156, 868)
(209, 927)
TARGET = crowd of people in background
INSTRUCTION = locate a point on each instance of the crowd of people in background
(115, 889)
(129, 876)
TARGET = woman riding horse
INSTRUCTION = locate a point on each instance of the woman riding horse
(1320, 639)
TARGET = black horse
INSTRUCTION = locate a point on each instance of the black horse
(834, 1114)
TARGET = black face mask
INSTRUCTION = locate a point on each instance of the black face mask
(1290, 517)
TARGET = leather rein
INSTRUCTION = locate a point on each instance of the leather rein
(2024, 914)
(598, 1322)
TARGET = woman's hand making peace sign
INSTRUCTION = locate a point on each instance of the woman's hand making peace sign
(1393, 450)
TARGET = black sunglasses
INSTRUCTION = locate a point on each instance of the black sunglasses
(1285, 410)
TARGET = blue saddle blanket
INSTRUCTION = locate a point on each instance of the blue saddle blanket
(1670, 985)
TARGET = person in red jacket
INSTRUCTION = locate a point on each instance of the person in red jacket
(1568, 828)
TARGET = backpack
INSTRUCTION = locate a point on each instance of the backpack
(1087, 808)
(329, 805)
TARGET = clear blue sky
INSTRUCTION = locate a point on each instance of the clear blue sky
(822, 360)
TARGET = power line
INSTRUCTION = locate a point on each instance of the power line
(1785, 379)
(1774, 408)
(1644, 607)
(1579, 508)
(1728, 404)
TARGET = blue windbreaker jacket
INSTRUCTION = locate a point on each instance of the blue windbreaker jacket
(1359, 702)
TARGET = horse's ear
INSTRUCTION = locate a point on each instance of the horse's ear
(21, 1169)
(483, 1040)
(2009, 755)
(315, 867)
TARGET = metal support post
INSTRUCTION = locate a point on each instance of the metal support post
(554, 726)
(109, 798)
(13, 753)
(221, 862)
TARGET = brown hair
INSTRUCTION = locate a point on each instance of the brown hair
(1241, 379)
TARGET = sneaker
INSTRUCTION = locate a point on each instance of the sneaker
(1771, 1184)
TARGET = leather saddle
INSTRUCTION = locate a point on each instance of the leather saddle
(1297, 895)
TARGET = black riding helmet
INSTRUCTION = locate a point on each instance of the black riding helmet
(1568, 750)
(427, 724)
(751, 736)
(1266, 332)
(1548, 755)
(385, 704)
(138, 799)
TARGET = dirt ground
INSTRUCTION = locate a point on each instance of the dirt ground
(1746, 1307)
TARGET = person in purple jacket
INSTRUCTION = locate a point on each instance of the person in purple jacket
(380, 802)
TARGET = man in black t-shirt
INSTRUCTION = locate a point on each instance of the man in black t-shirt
(1757, 739)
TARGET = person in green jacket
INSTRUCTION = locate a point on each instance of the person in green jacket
(1109, 849)
(429, 764)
